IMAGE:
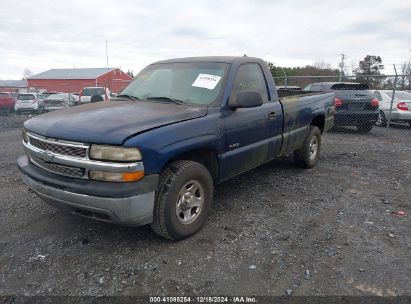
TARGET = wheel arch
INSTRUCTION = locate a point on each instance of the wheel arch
(205, 156)
(318, 121)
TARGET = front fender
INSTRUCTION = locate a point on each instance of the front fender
(161, 145)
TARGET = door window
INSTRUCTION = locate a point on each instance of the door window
(250, 78)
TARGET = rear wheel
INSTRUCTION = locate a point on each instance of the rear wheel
(382, 121)
(183, 200)
(364, 128)
(307, 156)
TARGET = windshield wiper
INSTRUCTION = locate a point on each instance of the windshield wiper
(127, 96)
(163, 98)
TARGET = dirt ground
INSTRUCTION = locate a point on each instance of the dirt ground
(332, 230)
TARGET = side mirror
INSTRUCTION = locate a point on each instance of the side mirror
(246, 99)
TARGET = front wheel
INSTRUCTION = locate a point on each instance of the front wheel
(307, 156)
(183, 200)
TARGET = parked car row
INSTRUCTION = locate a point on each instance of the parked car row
(49, 100)
(357, 105)
(38, 103)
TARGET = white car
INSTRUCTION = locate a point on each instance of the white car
(94, 94)
(401, 107)
(29, 102)
(59, 101)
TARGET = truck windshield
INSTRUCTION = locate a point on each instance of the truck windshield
(192, 83)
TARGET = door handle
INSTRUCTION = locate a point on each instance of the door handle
(271, 115)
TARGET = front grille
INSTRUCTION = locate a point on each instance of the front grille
(58, 148)
(58, 169)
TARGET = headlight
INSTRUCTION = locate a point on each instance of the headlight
(116, 177)
(24, 135)
(114, 153)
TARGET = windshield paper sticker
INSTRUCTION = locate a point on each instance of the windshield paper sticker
(206, 81)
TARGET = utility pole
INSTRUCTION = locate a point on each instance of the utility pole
(342, 64)
(107, 82)
(393, 95)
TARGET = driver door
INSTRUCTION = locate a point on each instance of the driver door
(248, 134)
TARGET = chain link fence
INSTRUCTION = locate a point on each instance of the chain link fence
(362, 103)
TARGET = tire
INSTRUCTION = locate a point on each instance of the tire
(307, 156)
(96, 98)
(364, 128)
(382, 121)
(17, 112)
(169, 219)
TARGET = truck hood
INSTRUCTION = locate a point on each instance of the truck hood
(110, 122)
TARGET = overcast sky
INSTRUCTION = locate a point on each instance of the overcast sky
(45, 34)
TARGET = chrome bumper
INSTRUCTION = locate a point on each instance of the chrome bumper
(130, 211)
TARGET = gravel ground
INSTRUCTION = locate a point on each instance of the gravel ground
(278, 229)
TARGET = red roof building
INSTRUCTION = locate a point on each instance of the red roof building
(74, 80)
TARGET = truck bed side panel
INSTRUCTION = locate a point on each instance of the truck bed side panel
(299, 112)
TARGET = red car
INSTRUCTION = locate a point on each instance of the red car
(6, 102)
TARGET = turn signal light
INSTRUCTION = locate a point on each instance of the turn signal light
(116, 177)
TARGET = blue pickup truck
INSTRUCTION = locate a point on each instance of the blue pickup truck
(154, 154)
